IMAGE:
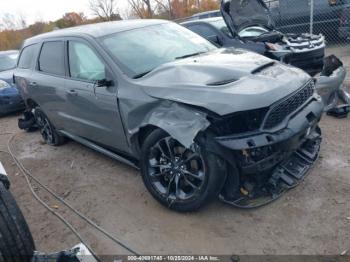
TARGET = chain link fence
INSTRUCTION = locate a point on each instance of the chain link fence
(328, 17)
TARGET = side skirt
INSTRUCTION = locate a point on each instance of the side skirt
(98, 148)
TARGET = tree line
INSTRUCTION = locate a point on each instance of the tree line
(15, 30)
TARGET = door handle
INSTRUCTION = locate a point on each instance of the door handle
(72, 92)
(33, 84)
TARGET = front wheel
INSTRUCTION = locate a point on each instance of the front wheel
(180, 178)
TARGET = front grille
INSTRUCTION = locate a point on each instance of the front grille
(282, 109)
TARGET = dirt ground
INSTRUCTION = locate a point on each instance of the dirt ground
(311, 219)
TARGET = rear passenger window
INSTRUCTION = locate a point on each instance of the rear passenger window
(51, 58)
(27, 57)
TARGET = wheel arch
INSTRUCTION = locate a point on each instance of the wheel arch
(31, 103)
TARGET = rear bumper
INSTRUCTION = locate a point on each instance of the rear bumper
(268, 164)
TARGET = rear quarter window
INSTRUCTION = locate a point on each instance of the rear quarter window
(27, 57)
(51, 59)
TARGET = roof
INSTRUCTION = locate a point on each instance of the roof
(205, 13)
(97, 30)
(205, 20)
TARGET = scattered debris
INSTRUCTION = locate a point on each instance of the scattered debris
(344, 253)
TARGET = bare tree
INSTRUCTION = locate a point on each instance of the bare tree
(165, 5)
(8, 21)
(106, 10)
(11, 22)
(141, 8)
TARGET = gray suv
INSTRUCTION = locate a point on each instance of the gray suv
(199, 121)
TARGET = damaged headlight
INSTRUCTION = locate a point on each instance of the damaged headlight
(4, 84)
(240, 122)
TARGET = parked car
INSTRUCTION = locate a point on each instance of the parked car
(215, 30)
(197, 120)
(293, 16)
(248, 25)
(344, 29)
(10, 98)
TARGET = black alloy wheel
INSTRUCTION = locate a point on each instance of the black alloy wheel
(181, 178)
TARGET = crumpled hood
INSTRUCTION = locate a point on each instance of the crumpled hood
(239, 14)
(224, 81)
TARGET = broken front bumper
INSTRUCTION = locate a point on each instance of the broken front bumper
(270, 163)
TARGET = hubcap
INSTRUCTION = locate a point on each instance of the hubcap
(175, 172)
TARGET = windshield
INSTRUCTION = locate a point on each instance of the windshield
(141, 50)
(8, 62)
(221, 25)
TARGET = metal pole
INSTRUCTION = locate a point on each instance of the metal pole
(311, 16)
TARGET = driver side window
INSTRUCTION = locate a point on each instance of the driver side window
(84, 64)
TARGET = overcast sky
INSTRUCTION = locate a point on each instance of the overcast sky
(47, 10)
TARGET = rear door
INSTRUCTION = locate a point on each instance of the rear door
(48, 80)
(92, 110)
(25, 66)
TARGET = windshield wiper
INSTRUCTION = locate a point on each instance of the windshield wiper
(141, 74)
(189, 55)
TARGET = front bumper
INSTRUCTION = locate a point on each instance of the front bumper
(268, 164)
(344, 32)
(311, 62)
(9, 104)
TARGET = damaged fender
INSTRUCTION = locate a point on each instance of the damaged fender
(183, 123)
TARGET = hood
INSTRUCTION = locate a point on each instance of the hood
(240, 14)
(7, 76)
(224, 81)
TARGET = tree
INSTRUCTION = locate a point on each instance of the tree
(141, 8)
(71, 19)
(106, 10)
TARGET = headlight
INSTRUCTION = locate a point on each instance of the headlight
(240, 122)
(4, 84)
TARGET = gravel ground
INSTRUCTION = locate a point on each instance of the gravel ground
(311, 219)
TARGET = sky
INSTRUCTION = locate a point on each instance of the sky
(46, 10)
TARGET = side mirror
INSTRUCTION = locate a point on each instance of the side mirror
(214, 39)
(104, 82)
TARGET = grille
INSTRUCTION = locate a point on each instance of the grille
(281, 110)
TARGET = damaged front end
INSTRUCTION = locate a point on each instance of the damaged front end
(330, 86)
(274, 152)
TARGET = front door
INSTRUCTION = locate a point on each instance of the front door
(92, 110)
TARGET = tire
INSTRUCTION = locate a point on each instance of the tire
(16, 242)
(167, 177)
(47, 130)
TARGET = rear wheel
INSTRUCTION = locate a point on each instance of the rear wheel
(180, 178)
(47, 130)
(16, 242)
